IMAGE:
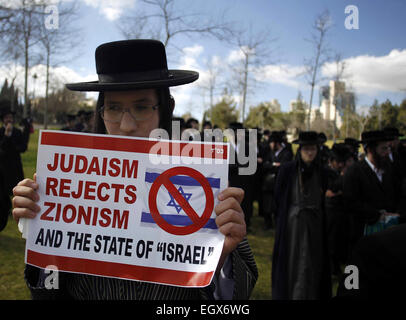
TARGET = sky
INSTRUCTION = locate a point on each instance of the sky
(374, 54)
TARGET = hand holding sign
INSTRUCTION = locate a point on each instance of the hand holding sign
(25, 198)
(97, 221)
(230, 220)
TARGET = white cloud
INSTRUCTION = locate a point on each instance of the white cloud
(111, 9)
(372, 74)
(235, 55)
(58, 77)
(283, 74)
(185, 96)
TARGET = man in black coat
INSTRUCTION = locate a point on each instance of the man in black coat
(240, 148)
(300, 263)
(370, 192)
(278, 154)
(397, 158)
(337, 218)
(5, 203)
(12, 144)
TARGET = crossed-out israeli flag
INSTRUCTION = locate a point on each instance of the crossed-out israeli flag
(170, 209)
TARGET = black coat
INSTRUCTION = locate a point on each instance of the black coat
(381, 262)
(365, 195)
(5, 203)
(283, 187)
(10, 159)
(270, 171)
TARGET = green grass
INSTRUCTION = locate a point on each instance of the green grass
(12, 246)
(261, 242)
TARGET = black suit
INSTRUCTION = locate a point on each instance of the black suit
(365, 196)
(381, 262)
(242, 181)
(10, 158)
(270, 171)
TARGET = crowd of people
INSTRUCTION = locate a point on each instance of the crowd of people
(322, 201)
(325, 205)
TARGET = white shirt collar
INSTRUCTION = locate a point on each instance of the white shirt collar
(378, 172)
(279, 151)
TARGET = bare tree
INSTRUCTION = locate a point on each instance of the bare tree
(23, 34)
(312, 65)
(61, 40)
(339, 75)
(362, 121)
(210, 84)
(255, 48)
(6, 16)
(163, 20)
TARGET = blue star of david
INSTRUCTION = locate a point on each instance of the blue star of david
(173, 203)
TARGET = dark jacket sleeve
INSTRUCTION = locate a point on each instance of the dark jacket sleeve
(245, 272)
(363, 211)
(37, 288)
(14, 143)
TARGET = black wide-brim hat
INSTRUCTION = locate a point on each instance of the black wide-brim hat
(374, 136)
(352, 142)
(133, 64)
(276, 136)
(5, 110)
(307, 137)
(392, 133)
(340, 151)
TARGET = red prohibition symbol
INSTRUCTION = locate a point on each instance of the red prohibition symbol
(198, 222)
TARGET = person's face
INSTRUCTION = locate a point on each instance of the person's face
(395, 143)
(337, 165)
(383, 149)
(380, 154)
(349, 162)
(308, 153)
(195, 125)
(207, 126)
(130, 126)
(8, 118)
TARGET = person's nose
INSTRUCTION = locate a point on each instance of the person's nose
(127, 123)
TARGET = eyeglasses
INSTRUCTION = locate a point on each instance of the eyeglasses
(114, 113)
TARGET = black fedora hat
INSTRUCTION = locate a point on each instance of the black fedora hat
(374, 136)
(391, 132)
(340, 152)
(352, 142)
(276, 136)
(133, 64)
(236, 125)
(307, 137)
(5, 110)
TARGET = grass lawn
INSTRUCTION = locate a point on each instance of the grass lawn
(12, 285)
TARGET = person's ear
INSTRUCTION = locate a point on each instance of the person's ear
(171, 103)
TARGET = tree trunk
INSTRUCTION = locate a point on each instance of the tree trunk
(26, 66)
(46, 92)
(245, 86)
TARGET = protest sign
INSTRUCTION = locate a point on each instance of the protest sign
(130, 208)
